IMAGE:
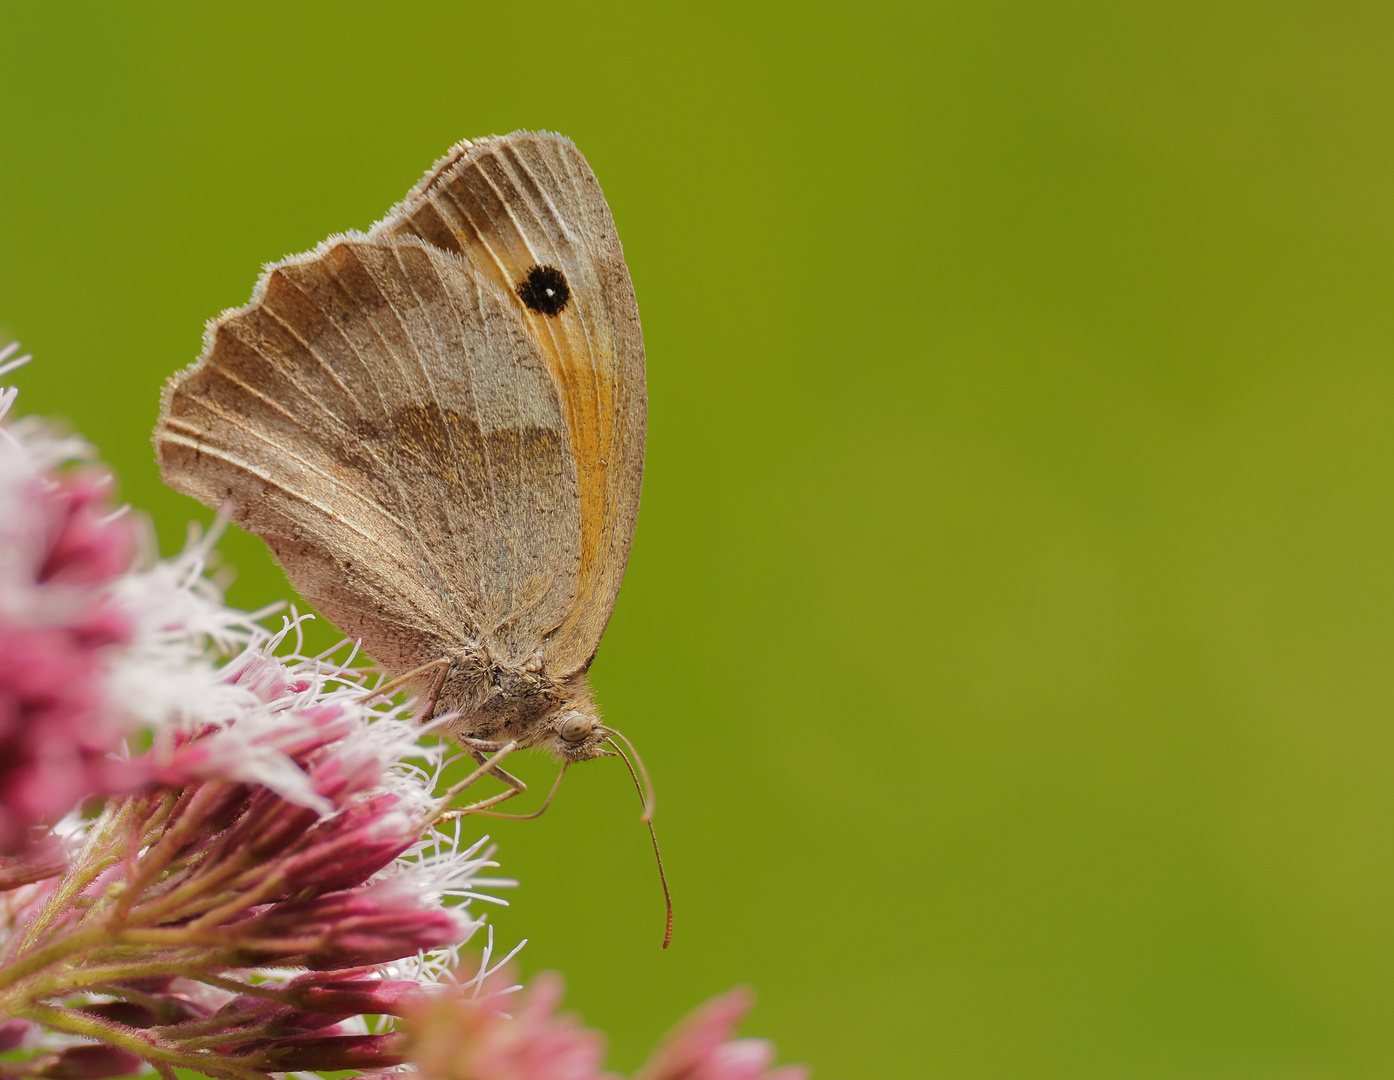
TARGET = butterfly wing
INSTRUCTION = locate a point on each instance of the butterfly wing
(383, 418)
(526, 212)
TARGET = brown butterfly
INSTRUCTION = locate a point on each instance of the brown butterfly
(438, 428)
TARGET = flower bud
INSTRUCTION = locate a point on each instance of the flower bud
(281, 758)
(331, 1052)
(89, 1063)
(453, 1036)
(701, 1047)
(122, 1012)
(262, 675)
(318, 726)
(348, 929)
(87, 545)
(12, 1033)
(162, 1009)
(352, 997)
(351, 847)
(270, 825)
(45, 859)
(275, 1018)
(342, 774)
(61, 550)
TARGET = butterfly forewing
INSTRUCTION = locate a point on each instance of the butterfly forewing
(526, 211)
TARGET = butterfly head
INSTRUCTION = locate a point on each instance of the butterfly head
(572, 730)
(577, 734)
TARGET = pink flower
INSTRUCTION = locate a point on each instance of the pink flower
(456, 1037)
(351, 846)
(701, 1047)
(281, 820)
(60, 551)
(344, 997)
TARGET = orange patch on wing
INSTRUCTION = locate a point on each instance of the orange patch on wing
(471, 212)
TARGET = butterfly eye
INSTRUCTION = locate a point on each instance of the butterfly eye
(544, 290)
(576, 727)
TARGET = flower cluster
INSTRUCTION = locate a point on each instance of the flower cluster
(275, 880)
(250, 891)
(60, 550)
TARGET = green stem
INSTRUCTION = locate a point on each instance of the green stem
(194, 892)
(272, 885)
(236, 986)
(93, 859)
(184, 829)
(220, 1025)
(231, 1037)
(61, 947)
(144, 1043)
(91, 976)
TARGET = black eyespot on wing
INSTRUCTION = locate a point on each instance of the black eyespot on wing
(544, 290)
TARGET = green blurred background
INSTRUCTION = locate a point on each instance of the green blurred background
(1010, 626)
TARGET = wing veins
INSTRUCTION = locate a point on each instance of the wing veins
(436, 569)
(479, 422)
(232, 420)
(382, 342)
(252, 392)
(366, 444)
(538, 189)
(247, 467)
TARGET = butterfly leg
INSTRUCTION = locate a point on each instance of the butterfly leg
(476, 748)
(483, 804)
(515, 785)
(496, 772)
(390, 687)
(526, 817)
(487, 767)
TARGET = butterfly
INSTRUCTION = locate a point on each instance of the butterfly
(438, 426)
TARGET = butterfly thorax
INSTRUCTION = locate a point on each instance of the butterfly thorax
(500, 701)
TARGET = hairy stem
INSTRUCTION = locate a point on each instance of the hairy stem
(144, 1043)
(96, 856)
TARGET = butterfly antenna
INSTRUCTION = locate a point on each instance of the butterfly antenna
(646, 797)
(646, 792)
